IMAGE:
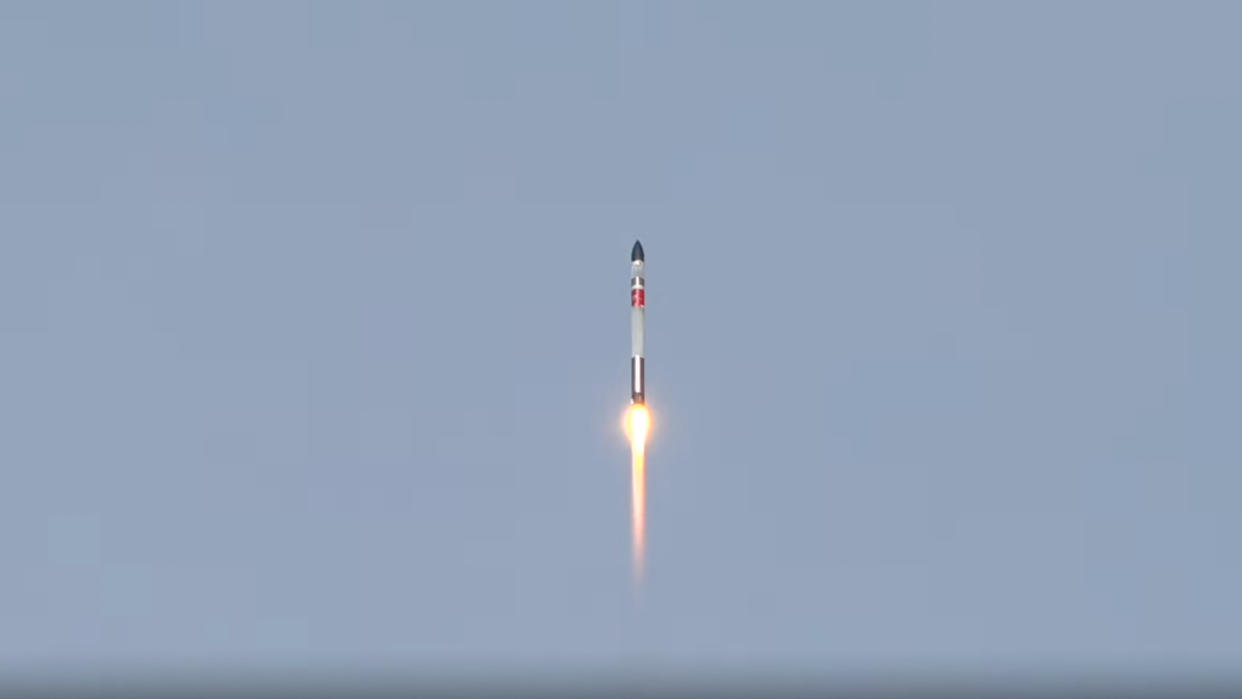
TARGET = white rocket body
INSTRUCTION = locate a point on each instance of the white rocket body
(638, 325)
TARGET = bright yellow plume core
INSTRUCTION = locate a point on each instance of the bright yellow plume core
(638, 428)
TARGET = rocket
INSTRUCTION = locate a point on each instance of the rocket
(638, 325)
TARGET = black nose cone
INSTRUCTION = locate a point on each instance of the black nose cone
(636, 255)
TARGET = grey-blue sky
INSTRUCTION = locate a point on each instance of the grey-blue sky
(314, 331)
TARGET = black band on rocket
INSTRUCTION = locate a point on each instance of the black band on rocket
(638, 380)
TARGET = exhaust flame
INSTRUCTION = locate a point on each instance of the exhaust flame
(638, 426)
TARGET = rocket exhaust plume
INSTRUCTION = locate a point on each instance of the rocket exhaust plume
(638, 425)
(638, 418)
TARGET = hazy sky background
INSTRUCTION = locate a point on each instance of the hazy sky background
(314, 332)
